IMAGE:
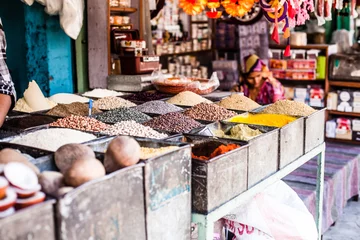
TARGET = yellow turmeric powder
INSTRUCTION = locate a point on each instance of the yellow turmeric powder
(271, 120)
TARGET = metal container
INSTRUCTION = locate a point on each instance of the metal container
(167, 189)
(314, 130)
(220, 179)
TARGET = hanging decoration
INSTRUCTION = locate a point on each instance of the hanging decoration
(193, 7)
(213, 5)
(237, 8)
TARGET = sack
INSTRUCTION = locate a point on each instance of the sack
(72, 16)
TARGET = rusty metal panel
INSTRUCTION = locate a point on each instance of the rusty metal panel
(109, 208)
(291, 142)
(35, 222)
(314, 129)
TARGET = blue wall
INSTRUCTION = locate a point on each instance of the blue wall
(38, 49)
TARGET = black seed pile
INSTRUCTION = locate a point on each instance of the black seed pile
(28, 122)
(173, 122)
(122, 114)
(146, 96)
(157, 107)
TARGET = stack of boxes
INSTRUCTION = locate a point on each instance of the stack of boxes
(226, 36)
(294, 69)
(312, 95)
(344, 100)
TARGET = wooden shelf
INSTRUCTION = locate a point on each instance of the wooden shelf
(307, 47)
(185, 53)
(340, 113)
(337, 140)
(297, 81)
(199, 22)
(228, 49)
(122, 10)
(344, 84)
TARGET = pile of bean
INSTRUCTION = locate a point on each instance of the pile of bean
(122, 114)
(157, 107)
(209, 112)
(147, 153)
(109, 103)
(80, 123)
(146, 96)
(173, 122)
(76, 108)
(132, 128)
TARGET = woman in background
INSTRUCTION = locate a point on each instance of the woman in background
(258, 83)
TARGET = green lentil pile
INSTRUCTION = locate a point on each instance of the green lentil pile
(122, 114)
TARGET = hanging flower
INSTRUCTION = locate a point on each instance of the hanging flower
(213, 5)
(193, 7)
(238, 8)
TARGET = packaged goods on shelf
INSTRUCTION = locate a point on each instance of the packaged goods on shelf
(356, 125)
(227, 72)
(281, 74)
(301, 74)
(278, 64)
(345, 100)
(343, 129)
(331, 129)
(301, 64)
(316, 97)
(331, 101)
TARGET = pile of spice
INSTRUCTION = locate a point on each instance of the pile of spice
(238, 102)
(122, 114)
(239, 132)
(147, 153)
(109, 103)
(187, 98)
(146, 96)
(80, 123)
(28, 122)
(222, 149)
(101, 93)
(209, 112)
(22, 106)
(53, 138)
(132, 128)
(173, 122)
(271, 120)
(157, 107)
(76, 108)
(67, 98)
(291, 108)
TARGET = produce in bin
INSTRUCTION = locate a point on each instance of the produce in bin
(76, 108)
(271, 120)
(146, 96)
(187, 98)
(122, 114)
(209, 112)
(290, 108)
(68, 98)
(28, 121)
(222, 149)
(101, 93)
(146, 153)
(80, 123)
(110, 103)
(239, 132)
(238, 102)
(157, 107)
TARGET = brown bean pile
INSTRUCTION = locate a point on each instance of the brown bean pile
(80, 123)
(173, 122)
(209, 112)
(76, 108)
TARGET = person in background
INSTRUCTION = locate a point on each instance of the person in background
(258, 83)
(7, 89)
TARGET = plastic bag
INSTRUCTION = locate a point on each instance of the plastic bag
(71, 17)
(276, 213)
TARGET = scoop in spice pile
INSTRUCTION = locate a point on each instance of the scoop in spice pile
(187, 98)
(109, 103)
(122, 114)
(157, 107)
(238, 102)
(239, 132)
(147, 153)
(291, 108)
(76, 108)
(209, 112)
(222, 149)
(173, 122)
(80, 123)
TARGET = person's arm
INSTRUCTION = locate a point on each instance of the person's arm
(5, 104)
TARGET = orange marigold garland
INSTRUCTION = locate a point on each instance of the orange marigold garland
(213, 5)
(237, 8)
(193, 7)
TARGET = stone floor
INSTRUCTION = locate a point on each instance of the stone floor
(348, 226)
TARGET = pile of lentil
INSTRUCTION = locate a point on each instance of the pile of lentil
(187, 98)
(157, 107)
(109, 103)
(291, 108)
(122, 114)
(132, 128)
(76, 108)
(147, 153)
(80, 123)
(238, 102)
(209, 112)
(146, 96)
(173, 122)
(28, 122)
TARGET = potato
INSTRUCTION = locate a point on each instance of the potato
(84, 170)
(8, 155)
(67, 154)
(122, 152)
(50, 182)
(64, 190)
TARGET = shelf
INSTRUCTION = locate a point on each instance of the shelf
(228, 49)
(122, 10)
(199, 22)
(185, 53)
(345, 84)
(340, 113)
(299, 81)
(337, 140)
(307, 47)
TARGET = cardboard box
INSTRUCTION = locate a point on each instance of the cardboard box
(301, 64)
(332, 100)
(345, 101)
(343, 128)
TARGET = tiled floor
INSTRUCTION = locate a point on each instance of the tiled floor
(348, 226)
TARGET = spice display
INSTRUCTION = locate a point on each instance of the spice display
(157, 107)
(67, 98)
(22, 106)
(291, 108)
(109, 103)
(101, 93)
(173, 122)
(187, 98)
(239, 132)
(271, 120)
(35, 99)
(76, 108)
(80, 123)
(209, 112)
(147, 153)
(135, 129)
(28, 122)
(53, 138)
(238, 102)
(146, 96)
(222, 149)
(122, 114)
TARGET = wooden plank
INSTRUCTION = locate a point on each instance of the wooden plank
(122, 10)
(340, 113)
(98, 52)
(344, 84)
(82, 59)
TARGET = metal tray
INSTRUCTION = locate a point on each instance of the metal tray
(218, 180)
(314, 130)
(13, 123)
(167, 180)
